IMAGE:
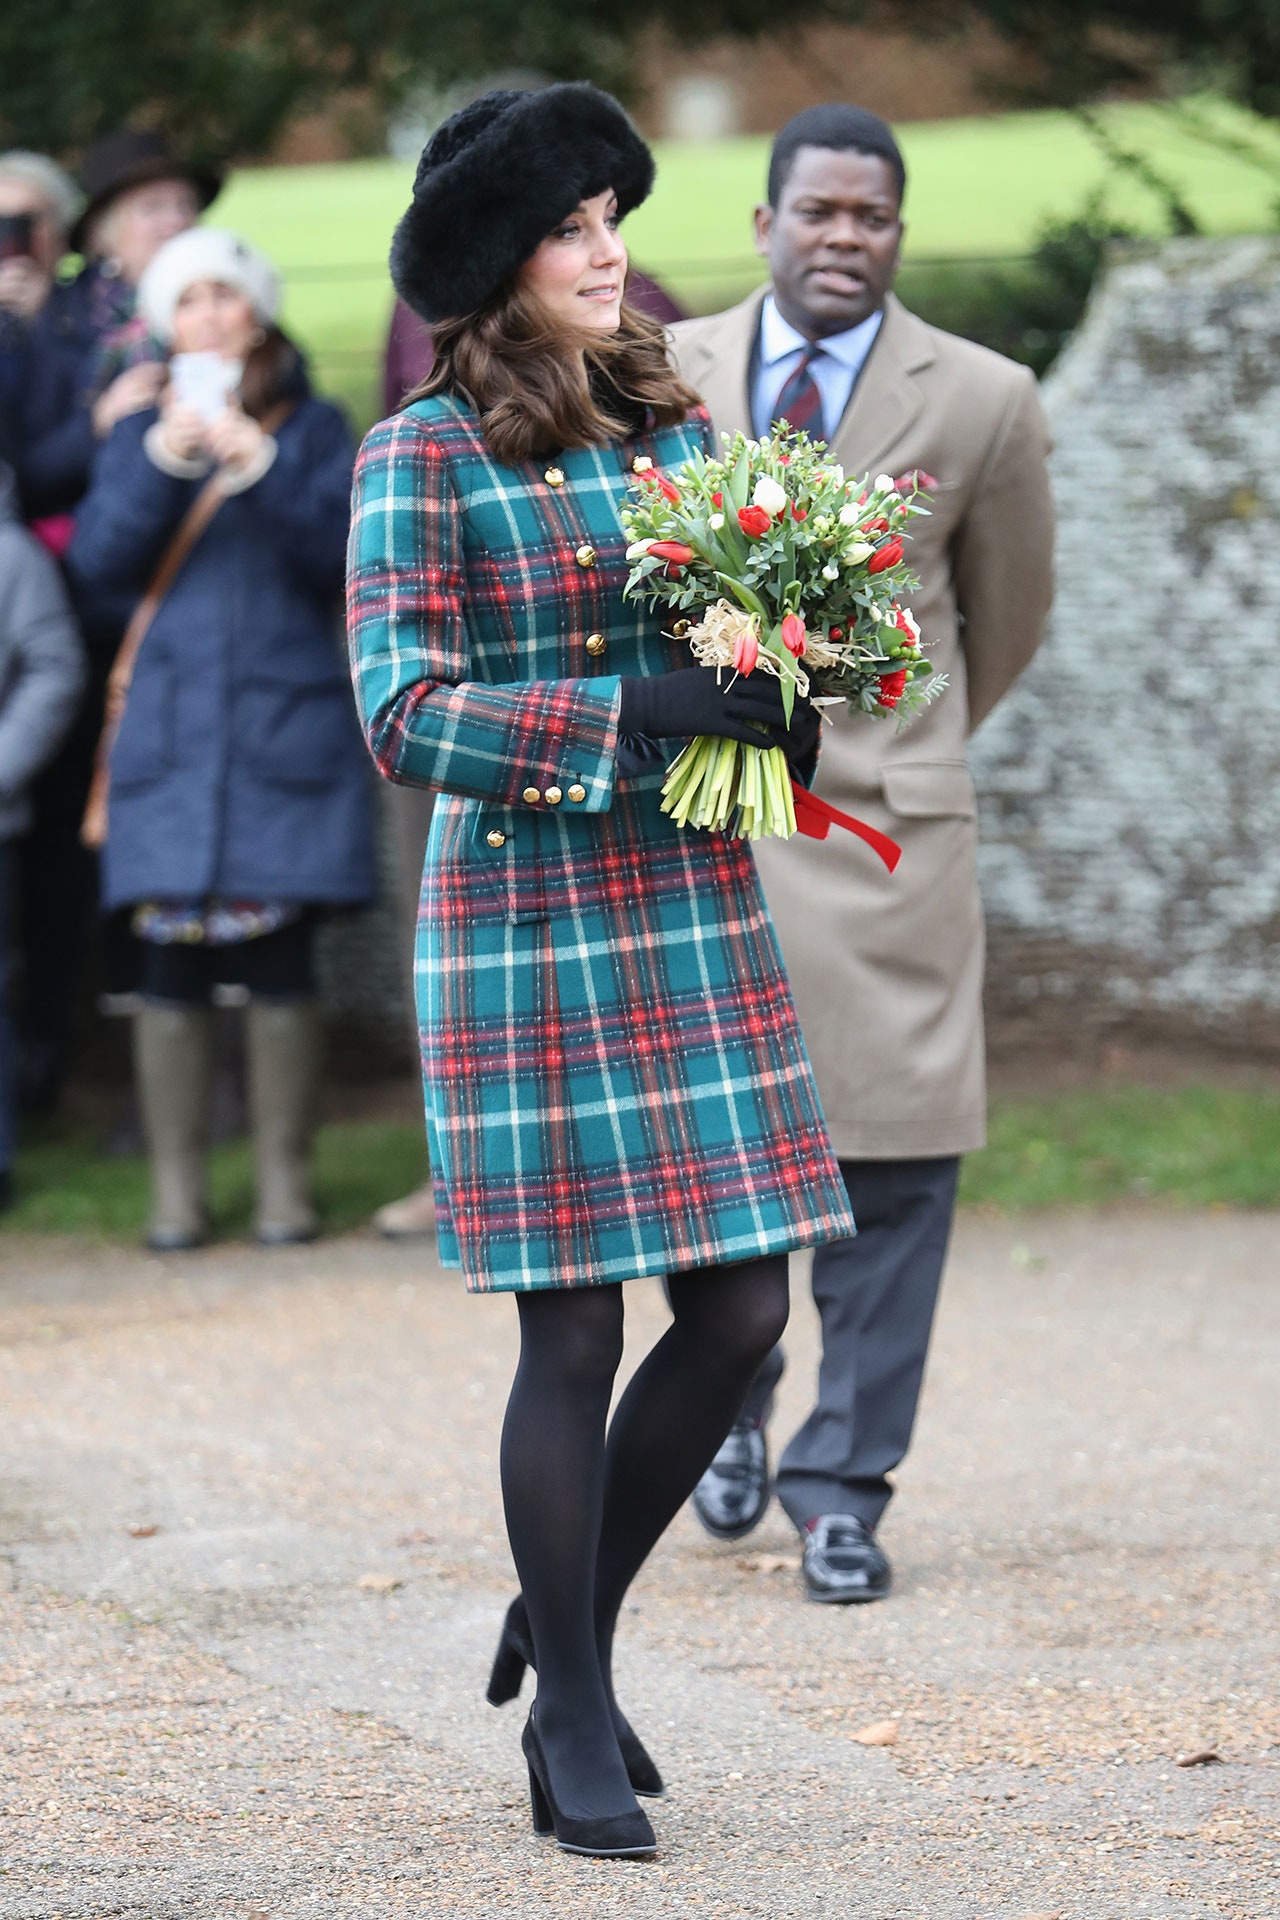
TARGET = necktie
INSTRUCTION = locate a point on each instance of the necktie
(800, 403)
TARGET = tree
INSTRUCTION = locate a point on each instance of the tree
(223, 76)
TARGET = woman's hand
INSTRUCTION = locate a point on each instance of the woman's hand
(130, 392)
(183, 430)
(697, 700)
(235, 441)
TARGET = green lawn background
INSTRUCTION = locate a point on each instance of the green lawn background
(977, 189)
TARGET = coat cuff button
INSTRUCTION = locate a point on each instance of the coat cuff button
(531, 796)
(553, 796)
(577, 794)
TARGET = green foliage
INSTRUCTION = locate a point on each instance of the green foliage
(1086, 48)
(1026, 309)
(222, 77)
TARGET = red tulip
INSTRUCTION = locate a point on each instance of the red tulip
(876, 526)
(668, 488)
(799, 513)
(674, 552)
(717, 499)
(884, 557)
(746, 651)
(793, 635)
(754, 521)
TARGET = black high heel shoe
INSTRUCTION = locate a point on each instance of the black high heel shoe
(613, 1836)
(515, 1653)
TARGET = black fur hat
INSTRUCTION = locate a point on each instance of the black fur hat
(496, 179)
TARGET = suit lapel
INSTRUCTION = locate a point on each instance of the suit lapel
(887, 398)
(720, 365)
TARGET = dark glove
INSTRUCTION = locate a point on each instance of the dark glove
(691, 701)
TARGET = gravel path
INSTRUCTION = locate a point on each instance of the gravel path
(252, 1568)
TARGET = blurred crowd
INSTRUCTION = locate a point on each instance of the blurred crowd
(173, 521)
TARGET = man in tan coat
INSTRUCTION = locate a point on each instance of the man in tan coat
(886, 969)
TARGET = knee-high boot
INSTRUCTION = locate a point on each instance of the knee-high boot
(173, 1063)
(284, 1060)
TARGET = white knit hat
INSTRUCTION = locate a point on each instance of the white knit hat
(205, 253)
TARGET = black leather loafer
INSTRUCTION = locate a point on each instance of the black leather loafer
(842, 1562)
(733, 1493)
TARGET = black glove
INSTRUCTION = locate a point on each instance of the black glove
(691, 701)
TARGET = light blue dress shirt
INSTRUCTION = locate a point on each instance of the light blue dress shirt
(839, 360)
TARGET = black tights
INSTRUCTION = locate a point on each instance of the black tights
(585, 1511)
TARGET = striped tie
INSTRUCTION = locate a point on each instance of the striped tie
(799, 404)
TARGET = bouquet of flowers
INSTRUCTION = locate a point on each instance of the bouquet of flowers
(778, 564)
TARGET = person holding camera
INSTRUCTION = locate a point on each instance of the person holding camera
(233, 797)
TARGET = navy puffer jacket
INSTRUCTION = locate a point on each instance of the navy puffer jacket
(239, 769)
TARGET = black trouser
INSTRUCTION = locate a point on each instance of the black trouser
(876, 1296)
(278, 966)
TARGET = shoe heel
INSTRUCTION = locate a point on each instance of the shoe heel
(507, 1675)
(541, 1807)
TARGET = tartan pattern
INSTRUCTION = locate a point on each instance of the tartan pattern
(614, 1076)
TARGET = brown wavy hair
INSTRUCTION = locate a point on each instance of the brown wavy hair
(272, 373)
(524, 377)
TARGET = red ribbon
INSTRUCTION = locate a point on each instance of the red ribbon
(816, 818)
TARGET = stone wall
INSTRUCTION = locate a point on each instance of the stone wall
(1130, 785)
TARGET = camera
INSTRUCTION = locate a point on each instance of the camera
(17, 236)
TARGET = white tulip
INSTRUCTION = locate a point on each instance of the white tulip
(769, 495)
(836, 472)
(716, 522)
(884, 483)
(850, 515)
(857, 553)
(638, 549)
(831, 573)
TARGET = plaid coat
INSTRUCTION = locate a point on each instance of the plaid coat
(615, 1080)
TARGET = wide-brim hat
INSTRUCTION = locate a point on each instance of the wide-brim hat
(495, 180)
(130, 159)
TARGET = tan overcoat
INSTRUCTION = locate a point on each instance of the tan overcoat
(887, 970)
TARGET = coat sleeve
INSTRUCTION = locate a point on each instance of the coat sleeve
(44, 642)
(129, 514)
(428, 723)
(1003, 553)
(304, 498)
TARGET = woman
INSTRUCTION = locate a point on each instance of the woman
(239, 801)
(615, 1082)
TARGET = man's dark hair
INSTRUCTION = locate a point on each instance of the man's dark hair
(839, 127)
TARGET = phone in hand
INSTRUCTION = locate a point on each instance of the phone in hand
(17, 236)
(204, 382)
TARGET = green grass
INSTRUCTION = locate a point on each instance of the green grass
(1195, 1146)
(978, 188)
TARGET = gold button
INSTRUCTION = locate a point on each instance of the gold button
(596, 644)
(585, 556)
(577, 794)
(553, 796)
(496, 839)
(532, 796)
(642, 464)
(554, 477)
